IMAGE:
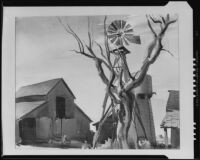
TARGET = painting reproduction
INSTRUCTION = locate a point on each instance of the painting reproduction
(96, 82)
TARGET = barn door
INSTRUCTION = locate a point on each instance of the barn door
(60, 107)
(27, 128)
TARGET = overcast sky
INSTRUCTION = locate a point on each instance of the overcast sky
(43, 53)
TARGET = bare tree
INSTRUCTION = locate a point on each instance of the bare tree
(120, 94)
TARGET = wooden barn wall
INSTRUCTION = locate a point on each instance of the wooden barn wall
(175, 137)
(43, 129)
(17, 135)
(83, 124)
(60, 90)
(76, 128)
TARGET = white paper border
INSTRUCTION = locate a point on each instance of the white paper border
(186, 76)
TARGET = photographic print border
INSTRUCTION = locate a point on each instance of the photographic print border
(196, 110)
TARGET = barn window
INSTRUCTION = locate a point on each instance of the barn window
(60, 107)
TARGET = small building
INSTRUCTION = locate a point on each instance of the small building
(46, 110)
(171, 120)
(108, 129)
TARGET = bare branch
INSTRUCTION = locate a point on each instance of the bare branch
(108, 111)
(100, 70)
(113, 97)
(91, 51)
(68, 31)
(168, 52)
(155, 21)
(163, 19)
(151, 28)
(135, 83)
(154, 51)
(120, 79)
(166, 26)
(101, 50)
(106, 43)
(83, 53)
(104, 104)
(77, 38)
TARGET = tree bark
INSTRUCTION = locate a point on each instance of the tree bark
(125, 117)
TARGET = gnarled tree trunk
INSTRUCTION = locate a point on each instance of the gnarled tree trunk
(120, 95)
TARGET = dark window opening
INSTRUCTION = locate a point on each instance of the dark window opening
(60, 107)
(141, 96)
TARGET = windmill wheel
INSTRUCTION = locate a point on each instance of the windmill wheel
(120, 32)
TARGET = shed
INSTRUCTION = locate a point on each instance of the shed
(172, 119)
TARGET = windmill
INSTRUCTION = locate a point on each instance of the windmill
(120, 33)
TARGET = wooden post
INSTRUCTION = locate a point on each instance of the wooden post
(61, 126)
(166, 138)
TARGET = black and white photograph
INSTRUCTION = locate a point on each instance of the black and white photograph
(99, 81)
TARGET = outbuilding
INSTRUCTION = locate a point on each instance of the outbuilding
(171, 121)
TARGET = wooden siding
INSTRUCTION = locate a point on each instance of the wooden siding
(76, 128)
(60, 90)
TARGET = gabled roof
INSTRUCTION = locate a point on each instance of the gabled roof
(77, 107)
(171, 119)
(23, 108)
(173, 100)
(42, 88)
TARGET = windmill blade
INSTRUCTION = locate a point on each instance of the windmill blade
(133, 39)
(119, 41)
(117, 24)
(125, 41)
(112, 35)
(113, 27)
(128, 26)
(128, 30)
(120, 23)
(111, 31)
(117, 34)
(113, 39)
(123, 23)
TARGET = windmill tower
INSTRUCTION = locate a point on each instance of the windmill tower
(120, 33)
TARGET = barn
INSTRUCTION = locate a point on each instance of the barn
(171, 121)
(47, 110)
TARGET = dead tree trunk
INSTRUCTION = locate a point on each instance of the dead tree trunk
(120, 95)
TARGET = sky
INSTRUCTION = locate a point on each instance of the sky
(44, 51)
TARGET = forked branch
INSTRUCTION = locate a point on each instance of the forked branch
(153, 51)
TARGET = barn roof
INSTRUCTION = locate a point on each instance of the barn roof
(23, 108)
(172, 117)
(42, 88)
(82, 112)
